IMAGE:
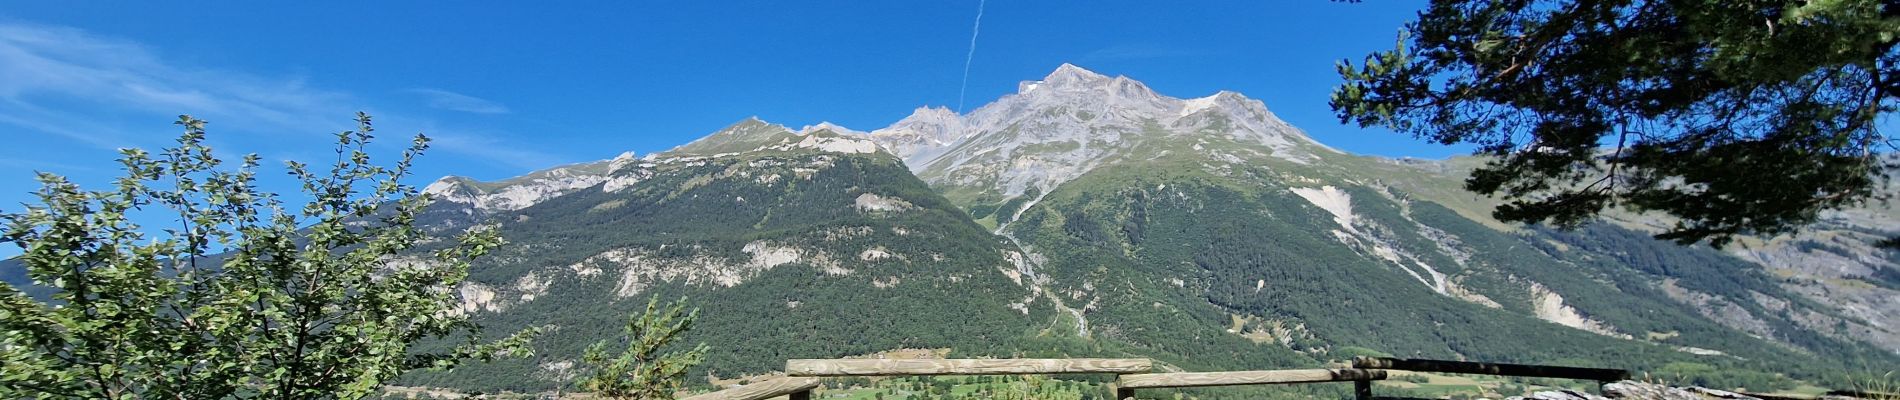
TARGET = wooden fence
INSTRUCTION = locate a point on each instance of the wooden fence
(1125, 385)
(1600, 375)
(875, 367)
(798, 388)
(1603, 375)
(803, 375)
(1132, 373)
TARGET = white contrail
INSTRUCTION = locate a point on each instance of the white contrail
(974, 30)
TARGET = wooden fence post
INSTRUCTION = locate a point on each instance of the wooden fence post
(1362, 389)
(801, 395)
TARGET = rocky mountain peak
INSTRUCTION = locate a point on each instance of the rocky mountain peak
(753, 135)
(930, 113)
(939, 122)
(522, 191)
(745, 135)
(1069, 75)
(922, 135)
(449, 187)
(753, 124)
(1069, 80)
(622, 161)
(1075, 120)
(827, 126)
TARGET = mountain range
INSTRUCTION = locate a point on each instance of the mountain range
(1088, 215)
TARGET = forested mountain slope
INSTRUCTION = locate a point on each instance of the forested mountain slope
(792, 245)
(1213, 209)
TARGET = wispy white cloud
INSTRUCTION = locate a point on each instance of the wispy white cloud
(53, 65)
(102, 92)
(452, 101)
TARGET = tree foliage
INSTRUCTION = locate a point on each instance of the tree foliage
(244, 298)
(649, 368)
(1735, 117)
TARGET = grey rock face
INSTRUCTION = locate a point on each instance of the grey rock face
(1641, 390)
(1565, 394)
(1072, 121)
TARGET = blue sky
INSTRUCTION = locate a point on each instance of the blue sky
(507, 88)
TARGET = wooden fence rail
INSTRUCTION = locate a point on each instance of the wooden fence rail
(1864, 394)
(1196, 379)
(1466, 367)
(880, 367)
(1362, 379)
(798, 388)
